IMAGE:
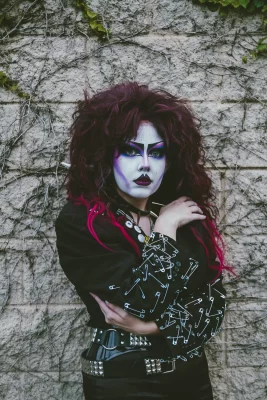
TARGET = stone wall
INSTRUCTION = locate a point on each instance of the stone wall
(49, 51)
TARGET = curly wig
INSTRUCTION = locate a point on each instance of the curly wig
(112, 117)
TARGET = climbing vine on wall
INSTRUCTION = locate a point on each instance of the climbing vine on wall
(12, 85)
(93, 20)
(245, 7)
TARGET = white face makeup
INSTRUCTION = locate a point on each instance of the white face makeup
(140, 164)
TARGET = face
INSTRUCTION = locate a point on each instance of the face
(140, 164)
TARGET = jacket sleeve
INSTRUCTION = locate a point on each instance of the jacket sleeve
(143, 287)
(192, 320)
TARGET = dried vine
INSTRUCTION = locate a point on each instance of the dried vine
(246, 7)
(49, 52)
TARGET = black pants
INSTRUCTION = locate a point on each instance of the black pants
(190, 381)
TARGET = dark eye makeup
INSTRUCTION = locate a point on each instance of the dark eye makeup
(129, 150)
(157, 153)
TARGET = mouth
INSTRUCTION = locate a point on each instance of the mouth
(143, 180)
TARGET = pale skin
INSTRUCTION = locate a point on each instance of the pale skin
(171, 217)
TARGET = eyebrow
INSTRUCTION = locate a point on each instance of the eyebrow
(140, 146)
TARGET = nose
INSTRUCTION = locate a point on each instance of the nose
(144, 164)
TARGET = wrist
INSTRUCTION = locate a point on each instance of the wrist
(165, 227)
(149, 328)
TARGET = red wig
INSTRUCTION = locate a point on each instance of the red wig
(112, 117)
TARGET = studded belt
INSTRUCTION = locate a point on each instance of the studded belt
(126, 368)
(111, 338)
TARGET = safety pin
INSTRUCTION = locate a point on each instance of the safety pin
(221, 295)
(146, 273)
(113, 287)
(161, 284)
(196, 301)
(209, 292)
(142, 293)
(169, 275)
(135, 283)
(159, 204)
(158, 296)
(201, 310)
(207, 323)
(175, 340)
(133, 311)
(168, 324)
(194, 266)
(145, 261)
(214, 332)
(179, 305)
(214, 315)
(217, 280)
(208, 312)
(186, 340)
(167, 288)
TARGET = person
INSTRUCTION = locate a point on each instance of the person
(138, 238)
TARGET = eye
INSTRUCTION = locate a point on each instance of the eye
(157, 153)
(128, 151)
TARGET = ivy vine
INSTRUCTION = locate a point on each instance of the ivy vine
(12, 85)
(93, 20)
(246, 7)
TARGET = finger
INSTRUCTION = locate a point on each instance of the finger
(118, 310)
(196, 209)
(97, 299)
(103, 311)
(183, 198)
(197, 216)
(191, 203)
(101, 303)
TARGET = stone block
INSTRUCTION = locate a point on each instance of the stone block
(52, 386)
(245, 202)
(234, 134)
(219, 383)
(194, 67)
(215, 176)
(247, 383)
(50, 69)
(186, 17)
(215, 351)
(32, 274)
(124, 17)
(38, 339)
(128, 18)
(30, 203)
(11, 276)
(247, 254)
(246, 338)
(37, 136)
(11, 386)
(178, 17)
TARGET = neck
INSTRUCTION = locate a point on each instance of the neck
(137, 203)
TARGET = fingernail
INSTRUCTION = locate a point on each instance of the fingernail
(107, 302)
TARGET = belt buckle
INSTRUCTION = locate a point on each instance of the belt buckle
(110, 348)
(173, 366)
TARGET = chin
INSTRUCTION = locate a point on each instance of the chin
(141, 193)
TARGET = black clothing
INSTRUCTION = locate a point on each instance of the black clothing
(190, 381)
(168, 283)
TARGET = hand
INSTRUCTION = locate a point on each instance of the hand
(116, 316)
(180, 212)
(176, 214)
